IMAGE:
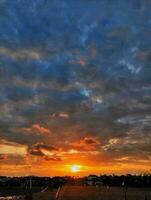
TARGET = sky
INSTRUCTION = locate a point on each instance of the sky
(75, 87)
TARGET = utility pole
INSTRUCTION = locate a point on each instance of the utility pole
(125, 190)
(29, 195)
(125, 193)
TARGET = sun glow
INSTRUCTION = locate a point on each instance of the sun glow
(75, 168)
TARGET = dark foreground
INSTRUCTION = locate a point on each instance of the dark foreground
(91, 193)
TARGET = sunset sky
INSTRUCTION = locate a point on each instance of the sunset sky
(75, 87)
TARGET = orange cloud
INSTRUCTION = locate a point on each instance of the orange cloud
(20, 53)
(45, 147)
(87, 143)
(47, 152)
(3, 157)
(7, 147)
(36, 128)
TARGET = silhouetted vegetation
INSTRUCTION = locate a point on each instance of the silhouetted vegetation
(54, 182)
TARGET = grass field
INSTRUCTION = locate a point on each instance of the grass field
(94, 193)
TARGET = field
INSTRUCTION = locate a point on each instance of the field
(94, 193)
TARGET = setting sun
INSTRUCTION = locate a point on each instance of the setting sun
(75, 168)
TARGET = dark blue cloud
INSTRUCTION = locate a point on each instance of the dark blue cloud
(89, 59)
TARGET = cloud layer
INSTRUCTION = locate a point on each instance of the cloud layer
(75, 76)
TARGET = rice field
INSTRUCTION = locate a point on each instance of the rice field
(91, 193)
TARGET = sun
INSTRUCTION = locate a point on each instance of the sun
(75, 168)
